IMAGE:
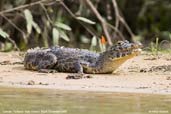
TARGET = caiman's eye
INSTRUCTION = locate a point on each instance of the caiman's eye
(119, 43)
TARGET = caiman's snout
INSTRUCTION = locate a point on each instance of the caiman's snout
(136, 48)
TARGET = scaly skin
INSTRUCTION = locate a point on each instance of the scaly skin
(80, 61)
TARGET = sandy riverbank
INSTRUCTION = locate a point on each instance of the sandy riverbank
(130, 77)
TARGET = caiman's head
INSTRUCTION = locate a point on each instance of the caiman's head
(124, 50)
(118, 54)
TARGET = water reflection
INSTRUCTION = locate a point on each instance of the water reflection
(37, 101)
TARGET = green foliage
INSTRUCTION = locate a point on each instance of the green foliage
(55, 35)
(93, 44)
(86, 20)
(3, 33)
(30, 22)
(50, 23)
(8, 47)
(84, 39)
(154, 17)
(154, 47)
(63, 26)
(60, 32)
(63, 35)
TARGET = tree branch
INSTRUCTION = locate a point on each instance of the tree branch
(15, 26)
(119, 18)
(116, 13)
(46, 13)
(103, 22)
(23, 6)
(73, 16)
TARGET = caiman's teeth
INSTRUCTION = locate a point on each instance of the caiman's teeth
(123, 54)
(119, 54)
(137, 50)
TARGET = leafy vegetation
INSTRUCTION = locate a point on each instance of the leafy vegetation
(82, 23)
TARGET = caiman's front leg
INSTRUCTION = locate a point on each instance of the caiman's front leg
(80, 74)
(46, 64)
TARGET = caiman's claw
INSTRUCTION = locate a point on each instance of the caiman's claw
(47, 71)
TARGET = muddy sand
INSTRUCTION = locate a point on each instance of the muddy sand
(142, 74)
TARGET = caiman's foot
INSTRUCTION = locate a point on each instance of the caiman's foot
(47, 71)
(78, 76)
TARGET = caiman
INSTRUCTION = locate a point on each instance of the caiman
(80, 61)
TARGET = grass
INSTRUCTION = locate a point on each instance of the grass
(156, 49)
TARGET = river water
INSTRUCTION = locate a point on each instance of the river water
(45, 101)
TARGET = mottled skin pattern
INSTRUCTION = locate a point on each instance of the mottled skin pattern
(80, 61)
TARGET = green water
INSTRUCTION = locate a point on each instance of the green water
(43, 101)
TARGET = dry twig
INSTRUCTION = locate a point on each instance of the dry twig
(103, 22)
(119, 18)
(23, 6)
